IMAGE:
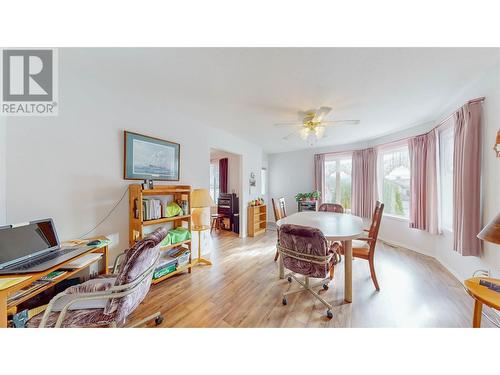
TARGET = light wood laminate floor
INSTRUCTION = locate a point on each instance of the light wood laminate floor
(242, 289)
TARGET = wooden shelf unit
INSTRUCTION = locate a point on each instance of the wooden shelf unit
(137, 224)
(257, 220)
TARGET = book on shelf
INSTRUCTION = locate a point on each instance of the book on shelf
(27, 290)
(53, 275)
(151, 209)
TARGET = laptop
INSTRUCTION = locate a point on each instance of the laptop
(33, 247)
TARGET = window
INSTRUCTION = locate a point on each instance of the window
(263, 181)
(338, 180)
(394, 180)
(214, 180)
(446, 177)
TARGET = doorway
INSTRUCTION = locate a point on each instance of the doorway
(226, 190)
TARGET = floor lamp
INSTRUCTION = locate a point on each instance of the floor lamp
(200, 200)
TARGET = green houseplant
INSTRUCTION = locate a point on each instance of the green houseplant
(313, 196)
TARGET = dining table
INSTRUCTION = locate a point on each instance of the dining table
(335, 227)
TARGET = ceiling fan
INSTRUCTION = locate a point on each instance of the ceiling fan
(313, 126)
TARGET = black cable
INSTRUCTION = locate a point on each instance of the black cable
(107, 215)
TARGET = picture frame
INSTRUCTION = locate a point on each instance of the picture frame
(150, 158)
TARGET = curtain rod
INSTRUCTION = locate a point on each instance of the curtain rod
(439, 124)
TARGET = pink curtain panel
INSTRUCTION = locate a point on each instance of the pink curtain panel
(364, 182)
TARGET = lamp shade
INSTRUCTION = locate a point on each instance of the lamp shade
(491, 232)
(201, 198)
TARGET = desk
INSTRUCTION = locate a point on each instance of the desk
(5, 308)
(482, 295)
(335, 227)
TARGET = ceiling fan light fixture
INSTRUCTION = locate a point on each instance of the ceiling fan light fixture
(304, 133)
(320, 131)
(311, 139)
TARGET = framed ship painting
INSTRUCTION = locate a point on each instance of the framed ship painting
(148, 158)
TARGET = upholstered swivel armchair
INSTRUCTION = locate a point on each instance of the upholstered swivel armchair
(108, 301)
(305, 251)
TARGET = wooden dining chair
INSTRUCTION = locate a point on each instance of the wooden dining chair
(331, 207)
(279, 209)
(364, 247)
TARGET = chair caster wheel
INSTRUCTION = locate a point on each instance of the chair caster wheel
(325, 286)
(329, 314)
(289, 279)
(284, 301)
(159, 320)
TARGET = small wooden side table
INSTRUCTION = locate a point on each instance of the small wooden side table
(482, 295)
(200, 259)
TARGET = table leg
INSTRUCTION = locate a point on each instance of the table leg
(348, 271)
(478, 310)
(3, 310)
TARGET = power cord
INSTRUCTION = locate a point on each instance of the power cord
(107, 215)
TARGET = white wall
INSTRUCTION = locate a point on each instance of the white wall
(3, 170)
(293, 172)
(70, 167)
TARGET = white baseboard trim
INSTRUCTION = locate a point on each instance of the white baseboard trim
(411, 248)
(404, 246)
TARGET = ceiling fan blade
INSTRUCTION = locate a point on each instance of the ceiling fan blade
(321, 112)
(340, 122)
(283, 124)
(286, 138)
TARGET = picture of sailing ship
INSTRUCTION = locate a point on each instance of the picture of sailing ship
(151, 158)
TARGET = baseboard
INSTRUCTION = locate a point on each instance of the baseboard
(404, 246)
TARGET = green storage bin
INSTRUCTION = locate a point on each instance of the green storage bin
(179, 234)
(160, 272)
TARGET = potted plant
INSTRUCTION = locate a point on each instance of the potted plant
(299, 197)
(315, 195)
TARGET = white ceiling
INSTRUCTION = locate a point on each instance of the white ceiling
(246, 90)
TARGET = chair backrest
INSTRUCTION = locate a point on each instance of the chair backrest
(304, 250)
(331, 207)
(279, 208)
(375, 226)
(138, 260)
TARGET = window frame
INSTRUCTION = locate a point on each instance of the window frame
(384, 150)
(263, 181)
(441, 134)
(216, 180)
(338, 194)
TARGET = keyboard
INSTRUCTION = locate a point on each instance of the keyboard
(35, 262)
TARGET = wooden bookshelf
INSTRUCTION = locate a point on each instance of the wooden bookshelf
(257, 220)
(137, 223)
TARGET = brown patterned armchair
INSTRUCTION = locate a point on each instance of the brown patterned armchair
(305, 251)
(107, 301)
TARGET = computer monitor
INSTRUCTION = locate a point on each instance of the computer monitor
(21, 242)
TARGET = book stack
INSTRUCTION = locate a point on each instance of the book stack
(151, 209)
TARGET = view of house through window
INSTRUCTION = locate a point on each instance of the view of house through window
(338, 180)
(446, 177)
(394, 181)
(214, 180)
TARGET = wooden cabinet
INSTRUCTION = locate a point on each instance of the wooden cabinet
(257, 220)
